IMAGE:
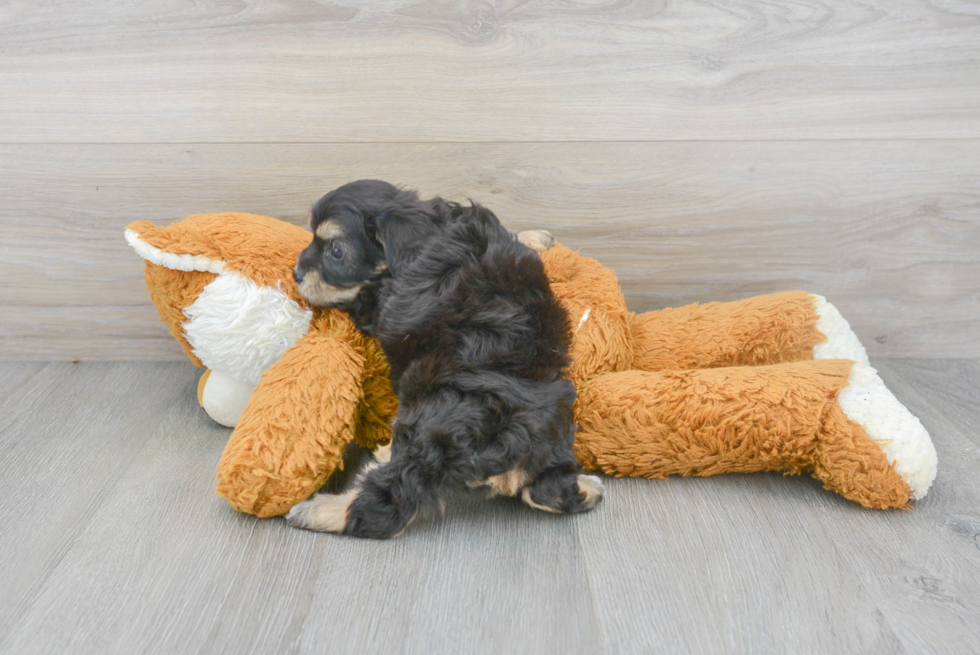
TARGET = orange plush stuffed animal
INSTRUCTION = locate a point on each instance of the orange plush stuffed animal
(771, 383)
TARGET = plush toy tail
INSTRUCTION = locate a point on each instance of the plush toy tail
(783, 417)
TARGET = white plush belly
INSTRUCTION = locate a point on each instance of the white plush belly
(240, 328)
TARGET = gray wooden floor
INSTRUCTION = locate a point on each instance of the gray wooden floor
(114, 542)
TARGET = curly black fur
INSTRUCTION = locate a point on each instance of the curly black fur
(477, 344)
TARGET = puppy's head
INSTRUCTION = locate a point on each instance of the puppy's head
(362, 231)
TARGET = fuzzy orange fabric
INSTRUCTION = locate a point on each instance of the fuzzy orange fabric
(713, 388)
(331, 387)
(781, 417)
(697, 390)
(779, 327)
(267, 461)
(260, 248)
(602, 339)
(172, 292)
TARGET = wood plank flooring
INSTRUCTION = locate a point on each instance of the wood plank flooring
(115, 542)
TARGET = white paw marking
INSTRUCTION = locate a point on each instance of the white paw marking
(383, 453)
(590, 489)
(536, 240)
(323, 512)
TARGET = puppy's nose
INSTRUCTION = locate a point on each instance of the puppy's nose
(298, 275)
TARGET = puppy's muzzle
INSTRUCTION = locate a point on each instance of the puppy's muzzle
(319, 293)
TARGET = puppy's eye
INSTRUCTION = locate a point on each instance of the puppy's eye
(335, 251)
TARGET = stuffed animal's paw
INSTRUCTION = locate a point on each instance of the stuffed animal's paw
(293, 432)
(906, 443)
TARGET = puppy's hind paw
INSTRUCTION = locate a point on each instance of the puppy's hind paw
(569, 494)
(323, 512)
(536, 240)
(590, 490)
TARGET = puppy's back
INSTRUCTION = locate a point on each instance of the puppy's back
(478, 297)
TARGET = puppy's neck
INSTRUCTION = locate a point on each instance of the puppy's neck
(363, 310)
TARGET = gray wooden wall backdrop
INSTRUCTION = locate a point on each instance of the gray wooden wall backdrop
(706, 150)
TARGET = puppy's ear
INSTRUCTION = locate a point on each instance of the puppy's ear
(406, 224)
(400, 234)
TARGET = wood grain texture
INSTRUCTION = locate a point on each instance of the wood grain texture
(949, 387)
(743, 554)
(163, 565)
(133, 551)
(889, 231)
(489, 577)
(67, 435)
(467, 70)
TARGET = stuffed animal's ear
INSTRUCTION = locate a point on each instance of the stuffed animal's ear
(173, 247)
(260, 248)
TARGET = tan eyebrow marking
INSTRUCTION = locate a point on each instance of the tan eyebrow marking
(329, 230)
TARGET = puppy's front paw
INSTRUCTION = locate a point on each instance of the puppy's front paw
(536, 240)
(323, 512)
(383, 453)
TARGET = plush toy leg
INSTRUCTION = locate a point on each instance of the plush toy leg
(294, 429)
(786, 417)
(779, 327)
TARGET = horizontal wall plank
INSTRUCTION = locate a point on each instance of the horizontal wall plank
(889, 231)
(505, 70)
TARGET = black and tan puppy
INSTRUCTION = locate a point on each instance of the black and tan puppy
(477, 345)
